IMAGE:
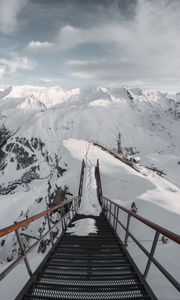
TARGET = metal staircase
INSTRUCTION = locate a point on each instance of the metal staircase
(97, 266)
(91, 267)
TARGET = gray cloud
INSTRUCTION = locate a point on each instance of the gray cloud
(9, 11)
(146, 47)
(103, 41)
(10, 66)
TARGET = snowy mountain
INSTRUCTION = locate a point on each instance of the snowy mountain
(48, 96)
(34, 122)
(45, 133)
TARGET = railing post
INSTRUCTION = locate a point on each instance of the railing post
(98, 180)
(106, 208)
(62, 221)
(23, 252)
(156, 237)
(114, 216)
(50, 232)
(81, 179)
(69, 213)
(127, 231)
(110, 214)
(73, 209)
(117, 214)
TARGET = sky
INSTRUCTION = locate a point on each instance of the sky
(84, 43)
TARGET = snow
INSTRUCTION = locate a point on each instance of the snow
(66, 122)
(123, 184)
(100, 102)
(157, 200)
(89, 201)
(49, 96)
(83, 227)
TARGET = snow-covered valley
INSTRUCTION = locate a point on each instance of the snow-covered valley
(45, 134)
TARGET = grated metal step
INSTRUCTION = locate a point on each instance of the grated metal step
(94, 256)
(90, 276)
(91, 282)
(103, 271)
(132, 291)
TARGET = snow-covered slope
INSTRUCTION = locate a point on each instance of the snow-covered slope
(49, 96)
(34, 122)
(43, 138)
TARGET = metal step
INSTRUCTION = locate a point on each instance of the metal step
(87, 283)
(79, 251)
(83, 256)
(89, 276)
(96, 271)
(93, 256)
(132, 291)
(96, 242)
(86, 264)
(30, 297)
(90, 247)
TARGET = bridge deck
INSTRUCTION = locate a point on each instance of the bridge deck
(89, 267)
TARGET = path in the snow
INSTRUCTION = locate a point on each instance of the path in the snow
(89, 201)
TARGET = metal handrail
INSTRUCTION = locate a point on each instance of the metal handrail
(107, 210)
(15, 228)
(170, 234)
(75, 202)
(111, 208)
(23, 223)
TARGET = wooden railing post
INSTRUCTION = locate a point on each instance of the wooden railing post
(23, 253)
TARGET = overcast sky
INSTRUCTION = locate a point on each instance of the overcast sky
(77, 43)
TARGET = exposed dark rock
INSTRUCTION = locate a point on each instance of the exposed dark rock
(24, 142)
(60, 194)
(60, 171)
(23, 152)
(130, 150)
(2, 162)
(155, 169)
(4, 135)
(27, 177)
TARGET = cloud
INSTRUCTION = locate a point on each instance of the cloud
(2, 72)
(48, 81)
(9, 12)
(145, 47)
(70, 37)
(36, 46)
(110, 41)
(18, 63)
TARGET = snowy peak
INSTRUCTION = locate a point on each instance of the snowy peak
(48, 96)
(32, 103)
(99, 96)
(6, 92)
